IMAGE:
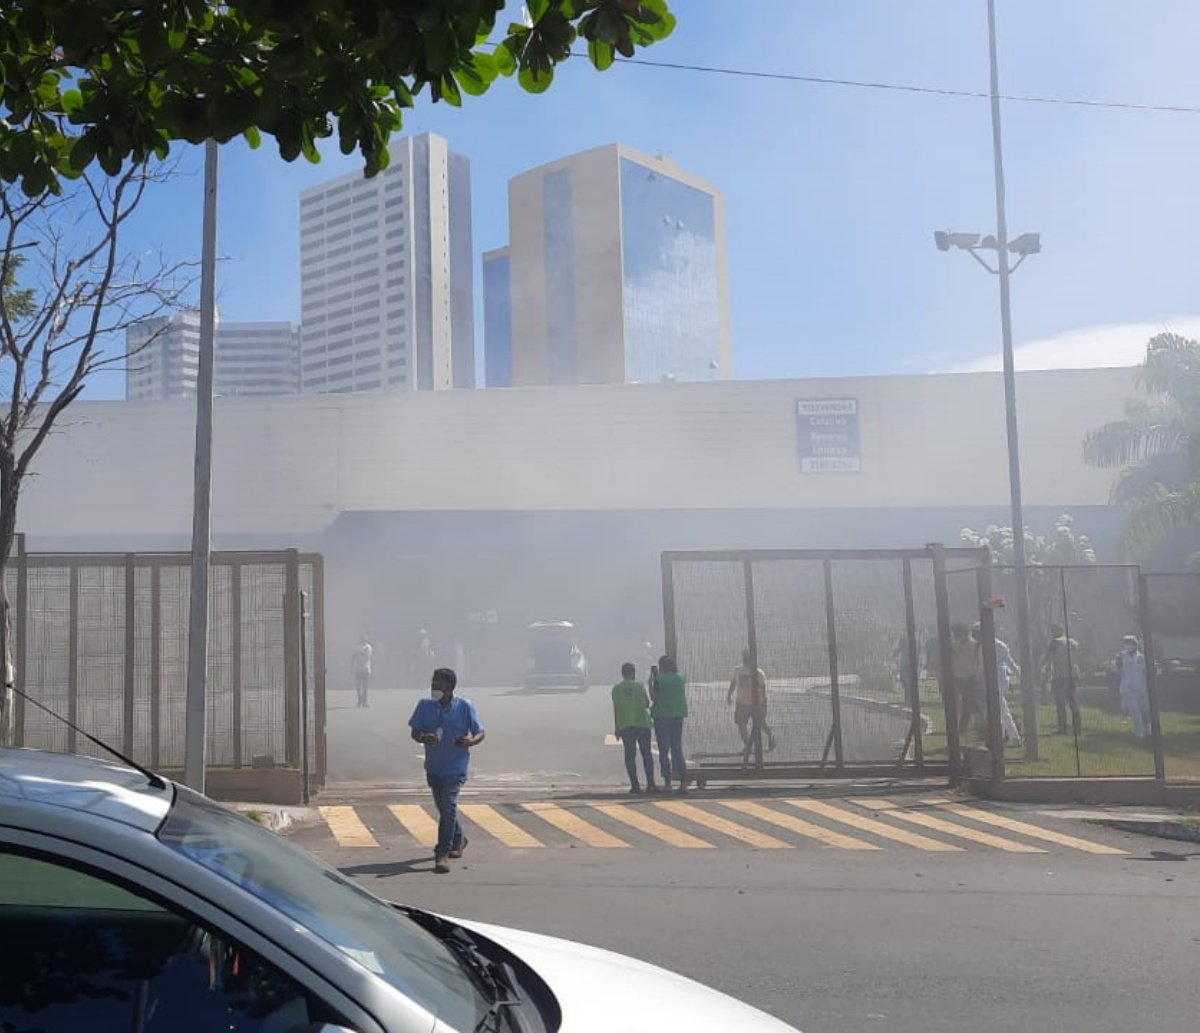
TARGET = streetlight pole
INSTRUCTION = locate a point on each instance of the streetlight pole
(196, 713)
(1028, 702)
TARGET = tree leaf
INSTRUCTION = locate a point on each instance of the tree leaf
(601, 54)
(195, 70)
(446, 88)
(476, 74)
(505, 59)
(533, 81)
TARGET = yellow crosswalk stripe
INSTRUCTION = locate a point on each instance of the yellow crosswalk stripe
(792, 824)
(347, 827)
(491, 820)
(573, 825)
(1024, 828)
(876, 828)
(949, 828)
(724, 825)
(420, 825)
(612, 740)
(636, 817)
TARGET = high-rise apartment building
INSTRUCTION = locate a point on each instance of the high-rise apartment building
(386, 267)
(250, 359)
(257, 359)
(163, 357)
(618, 272)
(497, 318)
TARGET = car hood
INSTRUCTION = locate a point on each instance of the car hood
(599, 990)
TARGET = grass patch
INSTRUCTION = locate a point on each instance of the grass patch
(1107, 746)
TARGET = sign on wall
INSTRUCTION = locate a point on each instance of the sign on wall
(827, 432)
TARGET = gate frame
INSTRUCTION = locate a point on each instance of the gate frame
(935, 553)
(243, 777)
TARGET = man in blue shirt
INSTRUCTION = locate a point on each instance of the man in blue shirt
(448, 728)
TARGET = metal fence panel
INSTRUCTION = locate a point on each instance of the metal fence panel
(1079, 616)
(1173, 628)
(104, 640)
(843, 639)
(872, 636)
(49, 675)
(711, 621)
(792, 638)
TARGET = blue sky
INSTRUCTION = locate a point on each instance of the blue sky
(833, 193)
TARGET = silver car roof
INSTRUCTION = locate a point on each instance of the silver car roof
(85, 784)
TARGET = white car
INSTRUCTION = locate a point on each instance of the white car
(128, 902)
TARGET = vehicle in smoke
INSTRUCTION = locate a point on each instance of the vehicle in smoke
(556, 662)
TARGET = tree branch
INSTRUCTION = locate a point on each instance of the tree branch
(89, 293)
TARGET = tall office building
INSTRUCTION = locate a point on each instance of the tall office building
(257, 359)
(497, 318)
(386, 266)
(250, 359)
(163, 357)
(618, 272)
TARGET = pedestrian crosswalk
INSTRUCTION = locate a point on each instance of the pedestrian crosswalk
(858, 823)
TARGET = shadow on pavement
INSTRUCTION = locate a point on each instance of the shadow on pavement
(387, 869)
(1167, 855)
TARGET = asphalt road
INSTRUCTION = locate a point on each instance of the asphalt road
(848, 941)
(557, 740)
(551, 740)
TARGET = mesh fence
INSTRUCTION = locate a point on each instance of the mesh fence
(1173, 623)
(1079, 617)
(845, 647)
(105, 644)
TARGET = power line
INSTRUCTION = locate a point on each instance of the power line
(1080, 102)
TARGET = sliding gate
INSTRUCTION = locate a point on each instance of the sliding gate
(850, 644)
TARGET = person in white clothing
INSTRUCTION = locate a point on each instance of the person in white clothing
(1135, 698)
(1006, 669)
(360, 667)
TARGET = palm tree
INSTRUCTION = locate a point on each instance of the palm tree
(1156, 445)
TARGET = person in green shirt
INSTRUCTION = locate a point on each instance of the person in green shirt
(631, 724)
(668, 689)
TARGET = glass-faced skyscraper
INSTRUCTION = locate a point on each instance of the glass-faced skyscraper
(618, 273)
(497, 318)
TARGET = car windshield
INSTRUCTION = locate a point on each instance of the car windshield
(363, 927)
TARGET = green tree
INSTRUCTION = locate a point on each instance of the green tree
(108, 81)
(1156, 446)
(19, 302)
(68, 294)
(1064, 547)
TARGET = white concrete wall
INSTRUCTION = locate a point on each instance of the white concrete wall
(289, 466)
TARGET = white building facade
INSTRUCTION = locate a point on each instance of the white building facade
(386, 266)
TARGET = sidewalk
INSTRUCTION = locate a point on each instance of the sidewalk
(1159, 822)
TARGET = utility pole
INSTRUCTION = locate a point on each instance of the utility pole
(1028, 701)
(196, 719)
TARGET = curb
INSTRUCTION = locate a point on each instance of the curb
(277, 819)
(1178, 830)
